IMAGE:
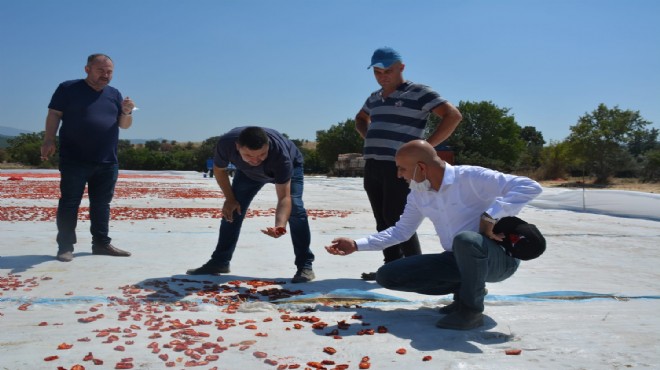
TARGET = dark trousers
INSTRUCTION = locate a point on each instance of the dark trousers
(475, 260)
(100, 179)
(245, 189)
(387, 194)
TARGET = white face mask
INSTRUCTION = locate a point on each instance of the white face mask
(419, 186)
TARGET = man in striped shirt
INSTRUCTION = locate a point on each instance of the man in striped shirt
(396, 114)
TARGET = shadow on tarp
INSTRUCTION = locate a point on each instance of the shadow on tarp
(415, 324)
(418, 326)
(179, 287)
(19, 264)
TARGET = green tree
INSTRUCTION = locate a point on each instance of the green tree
(153, 145)
(132, 158)
(642, 141)
(488, 136)
(123, 145)
(312, 161)
(530, 159)
(600, 139)
(554, 161)
(338, 139)
(651, 171)
(203, 152)
(26, 149)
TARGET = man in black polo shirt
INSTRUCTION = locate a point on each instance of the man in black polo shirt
(390, 117)
(91, 113)
(260, 155)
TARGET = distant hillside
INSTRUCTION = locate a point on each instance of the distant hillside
(11, 131)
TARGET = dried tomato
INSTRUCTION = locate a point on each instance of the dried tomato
(329, 350)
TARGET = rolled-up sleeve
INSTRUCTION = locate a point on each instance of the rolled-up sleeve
(516, 192)
(400, 232)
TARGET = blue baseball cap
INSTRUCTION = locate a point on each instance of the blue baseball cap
(384, 58)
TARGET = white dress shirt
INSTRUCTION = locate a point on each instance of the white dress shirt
(465, 193)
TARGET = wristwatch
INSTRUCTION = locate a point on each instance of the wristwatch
(488, 218)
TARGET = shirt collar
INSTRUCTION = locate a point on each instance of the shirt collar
(449, 176)
(399, 88)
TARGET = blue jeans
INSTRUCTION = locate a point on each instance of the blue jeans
(245, 189)
(100, 179)
(464, 272)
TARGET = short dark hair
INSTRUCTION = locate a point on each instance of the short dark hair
(92, 58)
(253, 137)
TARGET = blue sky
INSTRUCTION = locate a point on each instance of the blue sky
(201, 67)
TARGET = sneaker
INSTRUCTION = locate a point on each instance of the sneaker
(303, 276)
(64, 256)
(369, 276)
(462, 319)
(109, 250)
(209, 269)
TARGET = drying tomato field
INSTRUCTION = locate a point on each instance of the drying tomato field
(77, 319)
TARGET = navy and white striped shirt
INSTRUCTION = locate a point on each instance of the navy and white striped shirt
(397, 119)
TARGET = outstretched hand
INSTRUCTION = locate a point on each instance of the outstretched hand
(342, 247)
(274, 232)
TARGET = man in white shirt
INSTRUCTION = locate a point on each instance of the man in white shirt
(464, 203)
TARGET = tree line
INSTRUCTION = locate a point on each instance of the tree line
(605, 143)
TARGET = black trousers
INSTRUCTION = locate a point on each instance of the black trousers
(387, 194)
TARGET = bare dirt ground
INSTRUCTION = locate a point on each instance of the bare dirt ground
(615, 184)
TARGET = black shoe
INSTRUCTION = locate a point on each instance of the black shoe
(209, 269)
(453, 307)
(369, 276)
(109, 250)
(64, 256)
(461, 319)
(303, 275)
(450, 308)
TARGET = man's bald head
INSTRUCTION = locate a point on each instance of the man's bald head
(417, 151)
(419, 154)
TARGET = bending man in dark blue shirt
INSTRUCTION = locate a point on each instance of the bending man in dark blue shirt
(261, 156)
(91, 112)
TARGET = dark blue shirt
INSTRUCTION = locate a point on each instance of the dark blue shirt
(90, 121)
(283, 156)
